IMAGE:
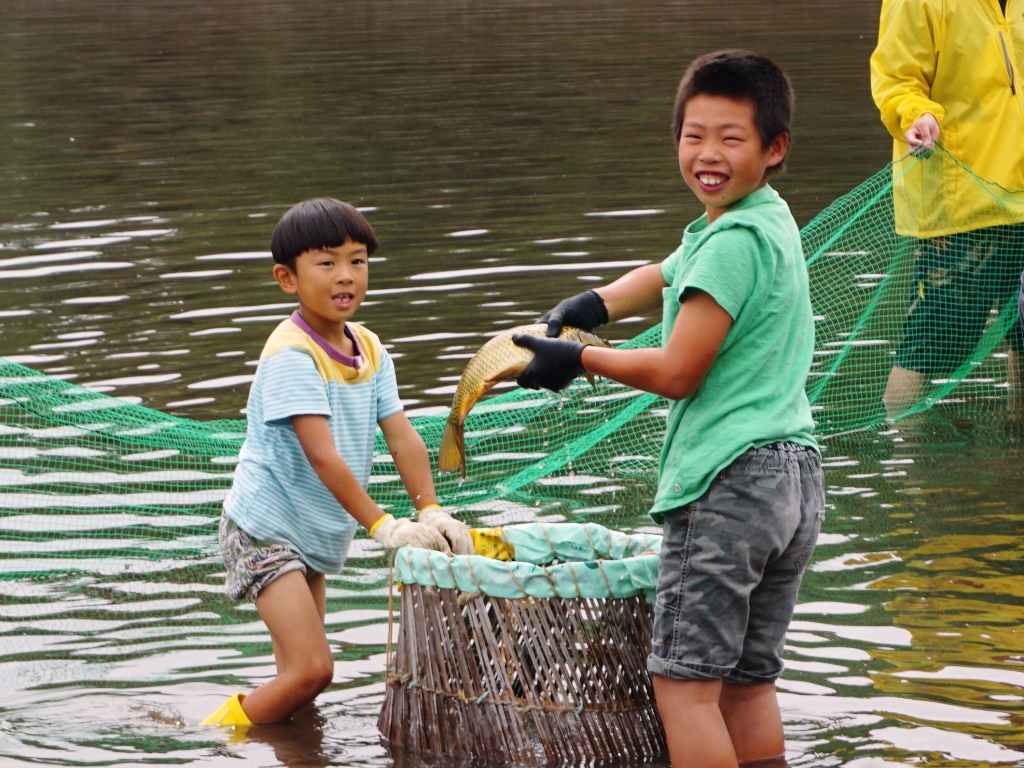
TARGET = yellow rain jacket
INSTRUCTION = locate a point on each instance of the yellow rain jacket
(963, 61)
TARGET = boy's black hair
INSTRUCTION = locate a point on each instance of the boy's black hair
(740, 75)
(322, 222)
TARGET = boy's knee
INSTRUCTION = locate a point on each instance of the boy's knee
(324, 672)
(316, 674)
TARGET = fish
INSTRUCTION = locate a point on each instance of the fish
(499, 359)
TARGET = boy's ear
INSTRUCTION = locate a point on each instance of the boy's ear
(777, 149)
(285, 278)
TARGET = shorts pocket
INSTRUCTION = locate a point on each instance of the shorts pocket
(812, 541)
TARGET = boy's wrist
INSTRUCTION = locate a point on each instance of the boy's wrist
(373, 528)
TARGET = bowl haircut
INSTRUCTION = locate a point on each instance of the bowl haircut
(322, 222)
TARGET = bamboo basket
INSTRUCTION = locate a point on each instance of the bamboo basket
(534, 681)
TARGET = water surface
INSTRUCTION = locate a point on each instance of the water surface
(508, 156)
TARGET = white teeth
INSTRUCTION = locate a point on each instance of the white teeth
(710, 180)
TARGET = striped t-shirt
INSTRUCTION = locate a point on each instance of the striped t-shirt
(275, 495)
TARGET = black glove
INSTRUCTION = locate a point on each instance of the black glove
(556, 362)
(584, 310)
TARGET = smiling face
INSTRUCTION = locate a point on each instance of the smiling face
(721, 155)
(330, 284)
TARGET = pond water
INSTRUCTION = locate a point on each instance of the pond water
(507, 155)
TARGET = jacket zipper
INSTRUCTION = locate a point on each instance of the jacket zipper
(1009, 64)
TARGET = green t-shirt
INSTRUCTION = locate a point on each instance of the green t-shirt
(751, 262)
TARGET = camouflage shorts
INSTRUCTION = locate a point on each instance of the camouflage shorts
(251, 565)
(957, 280)
(731, 565)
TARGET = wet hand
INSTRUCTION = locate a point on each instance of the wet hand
(455, 532)
(392, 534)
(922, 135)
(556, 362)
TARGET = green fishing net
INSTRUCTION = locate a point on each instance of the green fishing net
(93, 484)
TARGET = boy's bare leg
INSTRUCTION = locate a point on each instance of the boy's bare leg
(696, 733)
(902, 390)
(751, 713)
(318, 588)
(293, 612)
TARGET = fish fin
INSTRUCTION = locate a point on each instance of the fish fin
(591, 378)
(451, 455)
(510, 371)
(588, 338)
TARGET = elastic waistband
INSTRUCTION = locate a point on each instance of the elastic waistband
(788, 447)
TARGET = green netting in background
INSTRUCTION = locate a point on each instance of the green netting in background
(91, 483)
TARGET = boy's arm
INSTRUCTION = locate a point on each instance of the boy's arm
(314, 434)
(411, 457)
(413, 462)
(674, 371)
(635, 293)
(677, 369)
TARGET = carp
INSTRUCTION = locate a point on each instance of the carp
(497, 360)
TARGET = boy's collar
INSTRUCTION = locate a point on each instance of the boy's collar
(334, 354)
(760, 195)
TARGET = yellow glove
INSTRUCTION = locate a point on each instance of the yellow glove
(490, 542)
(392, 534)
(455, 531)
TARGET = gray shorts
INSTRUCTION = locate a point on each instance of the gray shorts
(731, 565)
(252, 564)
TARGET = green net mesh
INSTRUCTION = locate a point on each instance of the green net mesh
(90, 483)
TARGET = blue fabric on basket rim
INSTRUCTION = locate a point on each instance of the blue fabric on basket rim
(593, 562)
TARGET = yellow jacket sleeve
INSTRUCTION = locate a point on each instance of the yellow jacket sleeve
(904, 62)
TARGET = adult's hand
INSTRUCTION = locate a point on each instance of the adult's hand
(922, 135)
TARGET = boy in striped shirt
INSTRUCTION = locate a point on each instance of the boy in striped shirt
(322, 387)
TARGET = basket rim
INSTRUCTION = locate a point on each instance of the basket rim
(595, 562)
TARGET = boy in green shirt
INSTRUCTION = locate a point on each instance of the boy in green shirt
(740, 487)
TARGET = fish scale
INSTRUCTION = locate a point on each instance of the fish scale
(499, 359)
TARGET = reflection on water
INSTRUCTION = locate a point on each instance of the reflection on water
(508, 155)
(905, 647)
(146, 165)
(925, 531)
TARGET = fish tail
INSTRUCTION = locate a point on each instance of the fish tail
(452, 453)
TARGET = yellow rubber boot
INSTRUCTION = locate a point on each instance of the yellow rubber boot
(229, 713)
